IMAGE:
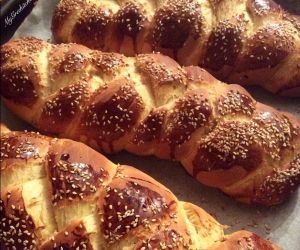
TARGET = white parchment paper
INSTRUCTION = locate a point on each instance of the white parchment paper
(281, 224)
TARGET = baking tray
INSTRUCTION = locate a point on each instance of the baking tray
(281, 224)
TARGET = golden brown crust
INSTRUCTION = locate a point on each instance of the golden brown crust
(94, 21)
(235, 102)
(174, 22)
(63, 13)
(3, 128)
(108, 62)
(23, 79)
(130, 19)
(279, 183)
(160, 69)
(69, 58)
(241, 44)
(74, 176)
(190, 113)
(151, 128)
(63, 107)
(116, 109)
(74, 236)
(267, 48)
(17, 226)
(150, 105)
(29, 45)
(224, 44)
(124, 206)
(243, 240)
(165, 238)
(130, 202)
(21, 147)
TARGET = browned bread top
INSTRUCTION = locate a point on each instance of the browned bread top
(68, 196)
(150, 105)
(239, 41)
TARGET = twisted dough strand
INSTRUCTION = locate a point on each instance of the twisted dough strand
(247, 42)
(149, 105)
(60, 194)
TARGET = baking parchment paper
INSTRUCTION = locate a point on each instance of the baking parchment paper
(281, 224)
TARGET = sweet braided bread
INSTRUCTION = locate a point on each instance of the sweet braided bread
(149, 105)
(239, 41)
(61, 194)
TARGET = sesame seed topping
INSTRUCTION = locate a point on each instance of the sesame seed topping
(130, 207)
(174, 22)
(279, 184)
(17, 227)
(117, 115)
(130, 19)
(92, 26)
(234, 102)
(22, 146)
(72, 180)
(166, 239)
(244, 143)
(189, 114)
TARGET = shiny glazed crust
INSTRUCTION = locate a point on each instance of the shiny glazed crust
(61, 194)
(149, 105)
(238, 41)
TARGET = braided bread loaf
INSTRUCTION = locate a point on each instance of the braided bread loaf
(149, 105)
(239, 41)
(61, 194)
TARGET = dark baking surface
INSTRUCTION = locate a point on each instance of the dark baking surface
(292, 6)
